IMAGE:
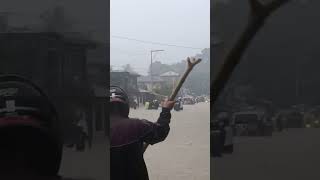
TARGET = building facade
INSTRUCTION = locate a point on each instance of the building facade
(58, 65)
(127, 81)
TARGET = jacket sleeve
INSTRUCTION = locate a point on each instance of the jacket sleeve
(158, 131)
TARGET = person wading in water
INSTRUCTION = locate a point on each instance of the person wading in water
(128, 136)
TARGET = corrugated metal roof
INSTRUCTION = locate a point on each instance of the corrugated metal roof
(122, 71)
(146, 79)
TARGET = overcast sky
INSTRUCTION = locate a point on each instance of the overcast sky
(173, 22)
(89, 15)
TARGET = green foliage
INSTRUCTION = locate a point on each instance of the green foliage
(128, 68)
(198, 80)
(165, 90)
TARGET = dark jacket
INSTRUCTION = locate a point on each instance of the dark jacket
(127, 138)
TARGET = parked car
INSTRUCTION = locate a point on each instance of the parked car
(200, 99)
(251, 123)
(312, 118)
(188, 101)
(295, 119)
(153, 105)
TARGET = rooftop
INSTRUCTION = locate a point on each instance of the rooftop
(121, 71)
(169, 74)
(146, 79)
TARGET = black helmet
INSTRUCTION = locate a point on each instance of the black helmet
(117, 94)
(119, 100)
(27, 116)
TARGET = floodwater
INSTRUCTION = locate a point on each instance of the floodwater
(292, 154)
(185, 154)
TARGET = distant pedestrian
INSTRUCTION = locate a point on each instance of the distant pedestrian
(136, 102)
(82, 123)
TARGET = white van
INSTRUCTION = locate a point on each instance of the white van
(251, 123)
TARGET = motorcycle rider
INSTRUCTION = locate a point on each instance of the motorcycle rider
(128, 137)
(178, 105)
(30, 136)
(84, 133)
(223, 122)
(30, 133)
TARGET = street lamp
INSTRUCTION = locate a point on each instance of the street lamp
(152, 51)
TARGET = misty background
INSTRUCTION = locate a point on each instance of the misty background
(82, 16)
(281, 64)
(137, 27)
(81, 70)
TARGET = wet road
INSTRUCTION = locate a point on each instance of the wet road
(292, 155)
(185, 153)
(91, 164)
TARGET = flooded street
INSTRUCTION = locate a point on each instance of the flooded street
(91, 164)
(186, 151)
(290, 155)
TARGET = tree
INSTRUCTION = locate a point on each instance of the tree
(128, 68)
(159, 68)
(198, 81)
(164, 90)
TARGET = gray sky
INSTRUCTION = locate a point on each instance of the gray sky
(86, 15)
(174, 22)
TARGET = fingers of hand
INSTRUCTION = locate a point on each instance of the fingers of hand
(169, 104)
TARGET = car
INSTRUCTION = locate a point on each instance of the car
(153, 105)
(200, 99)
(188, 101)
(251, 123)
(295, 119)
(312, 118)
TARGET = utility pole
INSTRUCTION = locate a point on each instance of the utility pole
(151, 75)
(297, 81)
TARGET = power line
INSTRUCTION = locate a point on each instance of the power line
(129, 53)
(134, 68)
(155, 43)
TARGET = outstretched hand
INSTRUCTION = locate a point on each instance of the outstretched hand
(168, 104)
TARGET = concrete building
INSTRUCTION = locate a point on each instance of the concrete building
(170, 77)
(57, 64)
(98, 71)
(148, 83)
(127, 81)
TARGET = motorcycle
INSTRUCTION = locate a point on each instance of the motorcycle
(178, 106)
